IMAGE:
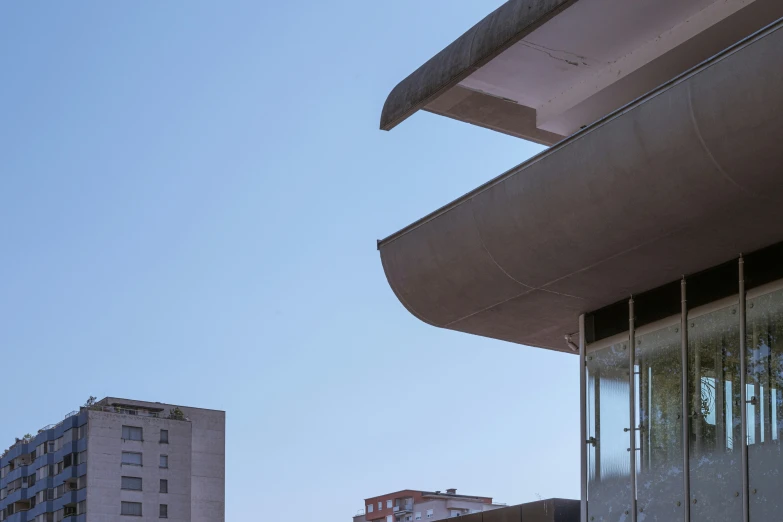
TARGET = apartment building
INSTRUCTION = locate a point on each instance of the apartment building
(411, 505)
(118, 458)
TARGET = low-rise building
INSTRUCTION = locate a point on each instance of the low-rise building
(410, 505)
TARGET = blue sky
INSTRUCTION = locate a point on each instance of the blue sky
(191, 192)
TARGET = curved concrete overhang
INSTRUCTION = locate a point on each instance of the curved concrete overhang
(685, 178)
(544, 69)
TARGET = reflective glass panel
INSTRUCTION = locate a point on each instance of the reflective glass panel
(765, 374)
(659, 462)
(715, 424)
(608, 401)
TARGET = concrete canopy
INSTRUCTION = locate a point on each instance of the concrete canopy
(685, 178)
(543, 69)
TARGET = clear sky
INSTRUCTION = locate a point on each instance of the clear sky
(190, 195)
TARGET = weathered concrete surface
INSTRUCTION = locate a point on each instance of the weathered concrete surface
(683, 179)
(491, 113)
(491, 36)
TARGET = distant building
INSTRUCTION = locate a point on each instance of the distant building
(410, 505)
(118, 458)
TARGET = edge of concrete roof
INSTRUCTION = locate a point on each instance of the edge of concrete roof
(496, 262)
(484, 41)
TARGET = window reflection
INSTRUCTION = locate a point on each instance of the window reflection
(765, 373)
(714, 390)
(659, 413)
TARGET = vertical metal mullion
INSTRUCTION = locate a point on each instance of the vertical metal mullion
(743, 393)
(768, 394)
(632, 400)
(597, 426)
(583, 417)
(686, 415)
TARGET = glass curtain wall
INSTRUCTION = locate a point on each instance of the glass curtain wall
(609, 469)
(765, 373)
(715, 430)
(659, 464)
(715, 423)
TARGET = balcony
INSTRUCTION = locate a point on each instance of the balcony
(138, 412)
(403, 507)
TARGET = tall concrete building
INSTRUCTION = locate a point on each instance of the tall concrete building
(411, 505)
(118, 458)
(646, 241)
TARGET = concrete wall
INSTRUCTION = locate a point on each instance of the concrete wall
(441, 508)
(202, 458)
(208, 474)
(438, 508)
(104, 469)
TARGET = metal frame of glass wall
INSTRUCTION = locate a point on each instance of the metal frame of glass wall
(682, 418)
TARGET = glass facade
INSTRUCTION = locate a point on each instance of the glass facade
(707, 482)
(765, 372)
(609, 488)
(659, 465)
(715, 427)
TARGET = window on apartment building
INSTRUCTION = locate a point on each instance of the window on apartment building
(68, 461)
(164, 436)
(369, 508)
(380, 506)
(132, 483)
(164, 461)
(44, 496)
(388, 504)
(81, 432)
(132, 433)
(131, 459)
(31, 480)
(164, 511)
(164, 486)
(132, 509)
(430, 513)
(80, 458)
(45, 471)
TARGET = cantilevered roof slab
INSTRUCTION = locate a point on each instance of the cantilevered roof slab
(684, 178)
(543, 69)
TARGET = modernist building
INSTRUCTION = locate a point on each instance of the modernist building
(411, 505)
(646, 239)
(115, 459)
